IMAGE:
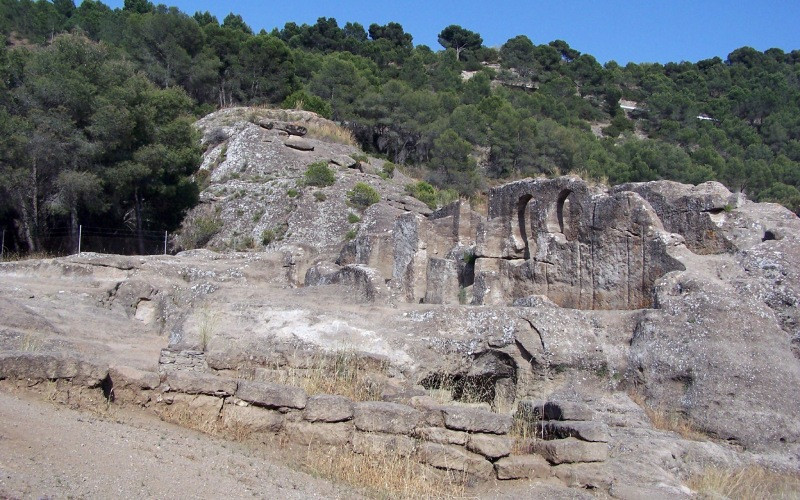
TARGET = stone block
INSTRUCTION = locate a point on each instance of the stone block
(474, 420)
(126, 376)
(571, 450)
(252, 419)
(391, 418)
(298, 143)
(369, 443)
(522, 467)
(271, 395)
(328, 408)
(325, 434)
(567, 410)
(441, 435)
(50, 366)
(490, 446)
(451, 457)
(197, 383)
(586, 431)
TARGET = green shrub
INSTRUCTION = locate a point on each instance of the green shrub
(198, 229)
(351, 234)
(267, 236)
(353, 218)
(318, 174)
(303, 100)
(320, 196)
(292, 193)
(424, 192)
(363, 195)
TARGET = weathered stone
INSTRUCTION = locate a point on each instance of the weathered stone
(473, 420)
(307, 433)
(450, 457)
(522, 467)
(390, 418)
(127, 376)
(344, 161)
(196, 383)
(443, 283)
(251, 419)
(567, 410)
(271, 395)
(298, 143)
(490, 446)
(543, 238)
(586, 431)
(571, 450)
(369, 443)
(442, 436)
(328, 408)
(50, 366)
(553, 410)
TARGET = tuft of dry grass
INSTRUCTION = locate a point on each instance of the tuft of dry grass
(750, 483)
(329, 131)
(18, 256)
(667, 419)
(344, 372)
(385, 475)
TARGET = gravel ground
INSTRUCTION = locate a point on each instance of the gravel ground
(50, 451)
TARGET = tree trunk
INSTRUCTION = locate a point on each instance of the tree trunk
(138, 213)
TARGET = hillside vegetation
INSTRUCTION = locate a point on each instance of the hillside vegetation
(96, 107)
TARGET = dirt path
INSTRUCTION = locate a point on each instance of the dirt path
(49, 451)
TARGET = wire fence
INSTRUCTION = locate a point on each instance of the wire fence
(65, 241)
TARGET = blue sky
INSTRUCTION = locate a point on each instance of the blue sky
(625, 31)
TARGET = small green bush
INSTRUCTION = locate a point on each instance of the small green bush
(351, 234)
(301, 99)
(292, 193)
(318, 174)
(320, 196)
(424, 192)
(267, 236)
(198, 230)
(363, 195)
(353, 218)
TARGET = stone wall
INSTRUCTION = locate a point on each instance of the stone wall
(467, 440)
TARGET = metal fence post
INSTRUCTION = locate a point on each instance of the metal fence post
(80, 233)
(165, 243)
(3, 244)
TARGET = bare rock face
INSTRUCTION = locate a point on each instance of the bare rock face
(579, 246)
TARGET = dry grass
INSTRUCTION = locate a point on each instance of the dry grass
(345, 373)
(329, 131)
(18, 256)
(666, 419)
(384, 476)
(750, 483)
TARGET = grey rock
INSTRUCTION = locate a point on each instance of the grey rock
(127, 376)
(522, 467)
(474, 420)
(450, 457)
(319, 434)
(490, 446)
(344, 161)
(571, 450)
(442, 436)
(197, 383)
(298, 143)
(373, 443)
(328, 408)
(251, 419)
(586, 431)
(40, 366)
(390, 418)
(271, 395)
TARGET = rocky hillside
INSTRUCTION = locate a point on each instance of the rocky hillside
(618, 340)
(255, 193)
